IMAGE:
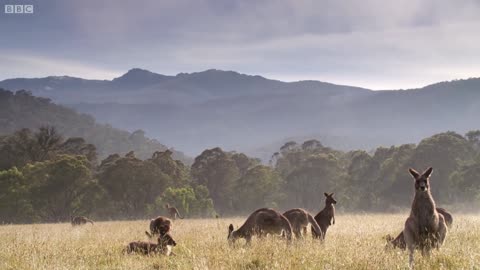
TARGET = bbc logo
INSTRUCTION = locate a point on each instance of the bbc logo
(19, 9)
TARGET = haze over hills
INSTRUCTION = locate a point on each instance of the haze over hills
(194, 111)
(21, 110)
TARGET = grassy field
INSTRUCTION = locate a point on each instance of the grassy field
(355, 242)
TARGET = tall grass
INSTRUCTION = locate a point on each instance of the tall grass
(354, 242)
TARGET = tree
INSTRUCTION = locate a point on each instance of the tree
(15, 205)
(319, 173)
(59, 187)
(444, 152)
(311, 145)
(259, 187)
(24, 147)
(466, 184)
(217, 171)
(175, 169)
(289, 146)
(78, 146)
(48, 141)
(473, 137)
(362, 180)
(191, 202)
(18, 149)
(131, 184)
(393, 185)
(243, 162)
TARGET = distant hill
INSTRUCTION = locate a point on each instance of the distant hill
(139, 86)
(193, 111)
(22, 110)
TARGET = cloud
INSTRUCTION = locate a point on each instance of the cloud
(17, 64)
(371, 43)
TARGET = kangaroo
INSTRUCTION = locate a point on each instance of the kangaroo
(158, 226)
(260, 223)
(80, 220)
(326, 217)
(399, 241)
(165, 242)
(173, 212)
(299, 219)
(424, 228)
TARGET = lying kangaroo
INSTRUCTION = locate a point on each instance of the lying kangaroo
(173, 212)
(399, 241)
(164, 246)
(299, 219)
(325, 217)
(158, 226)
(260, 223)
(80, 220)
(425, 228)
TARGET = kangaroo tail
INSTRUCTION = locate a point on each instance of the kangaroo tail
(315, 227)
(148, 234)
(89, 220)
(446, 215)
(180, 216)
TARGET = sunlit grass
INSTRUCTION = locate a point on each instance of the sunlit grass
(354, 242)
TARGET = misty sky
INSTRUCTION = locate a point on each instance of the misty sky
(371, 43)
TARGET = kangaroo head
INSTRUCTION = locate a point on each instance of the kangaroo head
(167, 240)
(329, 200)
(231, 237)
(422, 181)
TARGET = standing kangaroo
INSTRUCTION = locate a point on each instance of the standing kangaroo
(399, 241)
(80, 220)
(326, 217)
(260, 223)
(299, 219)
(173, 212)
(425, 228)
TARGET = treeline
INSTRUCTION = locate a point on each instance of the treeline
(379, 181)
(45, 177)
(22, 110)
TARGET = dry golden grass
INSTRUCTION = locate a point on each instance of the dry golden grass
(355, 242)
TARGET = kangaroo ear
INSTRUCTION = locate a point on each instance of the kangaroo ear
(331, 194)
(427, 172)
(326, 195)
(230, 228)
(414, 173)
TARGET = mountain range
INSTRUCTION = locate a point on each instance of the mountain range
(253, 114)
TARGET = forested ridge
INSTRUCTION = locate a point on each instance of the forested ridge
(22, 110)
(256, 115)
(46, 177)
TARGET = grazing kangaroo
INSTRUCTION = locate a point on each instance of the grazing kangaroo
(299, 219)
(425, 228)
(159, 226)
(80, 220)
(173, 212)
(326, 217)
(260, 223)
(165, 242)
(399, 241)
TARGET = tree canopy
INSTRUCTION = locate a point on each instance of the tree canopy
(47, 177)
